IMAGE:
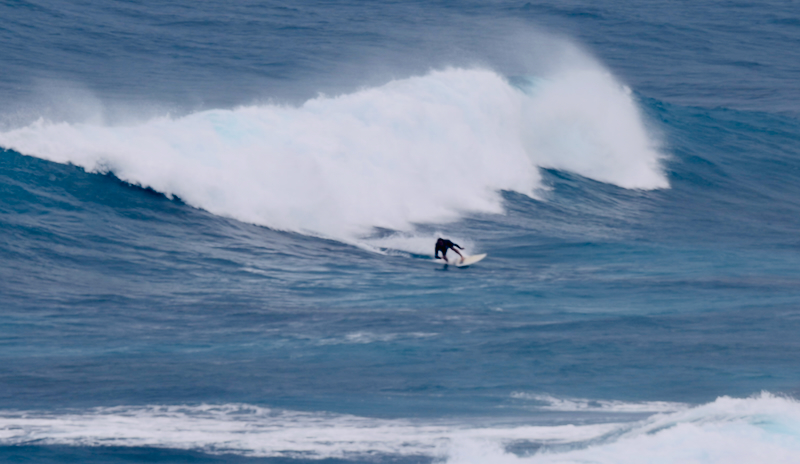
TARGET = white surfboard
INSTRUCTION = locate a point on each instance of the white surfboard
(469, 260)
(456, 261)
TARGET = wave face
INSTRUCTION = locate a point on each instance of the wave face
(727, 430)
(418, 150)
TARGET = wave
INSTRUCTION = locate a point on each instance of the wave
(425, 149)
(552, 403)
(254, 431)
(764, 428)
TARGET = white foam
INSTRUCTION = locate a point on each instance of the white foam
(765, 428)
(253, 431)
(419, 242)
(552, 403)
(425, 149)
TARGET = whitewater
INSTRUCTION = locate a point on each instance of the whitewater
(728, 430)
(419, 150)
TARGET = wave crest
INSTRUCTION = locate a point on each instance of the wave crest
(425, 149)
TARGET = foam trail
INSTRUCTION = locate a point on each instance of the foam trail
(765, 428)
(426, 149)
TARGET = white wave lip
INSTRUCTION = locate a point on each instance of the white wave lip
(425, 149)
(764, 428)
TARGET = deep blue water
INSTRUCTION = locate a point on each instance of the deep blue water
(217, 225)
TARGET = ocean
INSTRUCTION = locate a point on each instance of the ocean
(217, 227)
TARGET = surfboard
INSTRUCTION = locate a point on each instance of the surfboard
(468, 260)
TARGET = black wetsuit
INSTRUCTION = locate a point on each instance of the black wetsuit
(444, 245)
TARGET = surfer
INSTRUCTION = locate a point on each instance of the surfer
(443, 245)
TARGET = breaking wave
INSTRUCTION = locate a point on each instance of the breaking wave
(425, 149)
(764, 428)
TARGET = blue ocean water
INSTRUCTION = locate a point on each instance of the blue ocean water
(217, 223)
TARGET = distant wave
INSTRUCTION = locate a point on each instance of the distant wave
(424, 149)
(764, 428)
(552, 403)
